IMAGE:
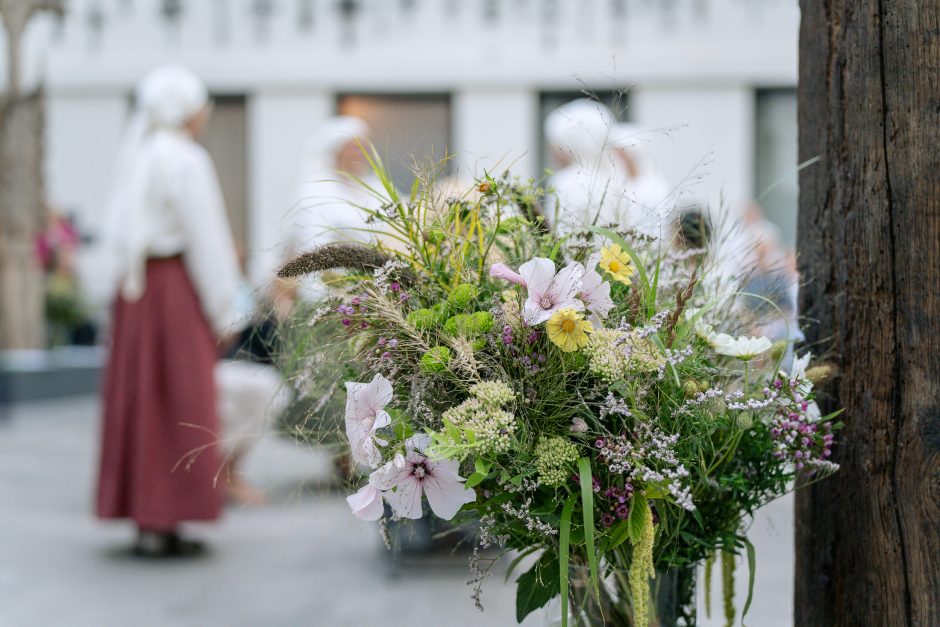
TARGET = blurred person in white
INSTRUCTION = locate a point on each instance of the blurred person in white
(252, 394)
(175, 281)
(330, 202)
(649, 200)
(588, 185)
(771, 288)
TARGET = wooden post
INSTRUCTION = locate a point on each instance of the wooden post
(868, 539)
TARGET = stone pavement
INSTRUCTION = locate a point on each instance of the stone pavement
(301, 560)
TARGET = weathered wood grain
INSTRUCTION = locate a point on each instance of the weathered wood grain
(868, 539)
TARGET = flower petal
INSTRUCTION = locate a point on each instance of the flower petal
(567, 283)
(538, 274)
(405, 499)
(390, 475)
(502, 271)
(446, 494)
(366, 504)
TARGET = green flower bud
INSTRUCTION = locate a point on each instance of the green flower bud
(457, 325)
(423, 319)
(435, 361)
(480, 323)
(461, 296)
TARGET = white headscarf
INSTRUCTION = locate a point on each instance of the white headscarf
(325, 210)
(580, 129)
(167, 98)
(324, 145)
(591, 187)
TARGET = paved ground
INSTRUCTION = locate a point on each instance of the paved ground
(302, 560)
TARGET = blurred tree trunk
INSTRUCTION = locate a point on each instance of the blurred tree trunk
(22, 121)
(868, 539)
(22, 313)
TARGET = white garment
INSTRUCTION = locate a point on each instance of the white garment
(650, 200)
(166, 201)
(328, 204)
(591, 189)
(251, 395)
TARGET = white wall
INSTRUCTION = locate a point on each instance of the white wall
(496, 127)
(702, 137)
(82, 136)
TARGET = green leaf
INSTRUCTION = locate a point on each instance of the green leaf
(751, 567)
(619, 535)
(637, 509)
(537, 586)
(475, 479)
(482, 465)
(564, 545)
(515, 562)
(587, 506)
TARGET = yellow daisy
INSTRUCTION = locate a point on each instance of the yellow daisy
(617, 263)
(568, 329)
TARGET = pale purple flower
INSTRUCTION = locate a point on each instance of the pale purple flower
(366, 504)
(403, 485)
(595, 292)
(365, 414)
(549, 292)
(502, 271)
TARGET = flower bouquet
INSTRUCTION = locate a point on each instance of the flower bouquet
(590, 402)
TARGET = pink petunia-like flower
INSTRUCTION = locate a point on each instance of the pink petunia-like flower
(502, 271)
(549, 292)
(404, 483)
(365, 414)
(595, 292)
(366, 504)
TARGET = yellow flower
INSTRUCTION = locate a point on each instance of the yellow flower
(617, 263)
(568, 329)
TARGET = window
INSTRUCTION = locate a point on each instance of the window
(406, 130)
(776, 180)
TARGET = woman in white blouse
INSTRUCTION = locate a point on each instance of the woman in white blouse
(176, 283)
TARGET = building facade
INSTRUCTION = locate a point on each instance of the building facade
(711, 82)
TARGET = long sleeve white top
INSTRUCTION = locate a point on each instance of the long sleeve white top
(183, 213)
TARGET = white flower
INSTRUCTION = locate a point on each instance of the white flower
(365, 414)
(366, 504)
(403, 487)
(701, 328)
(595, 292)
(800, 364)
(549, 292)
(743, 348)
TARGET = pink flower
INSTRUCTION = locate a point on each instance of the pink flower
(595, 292)
(502, 271)
(404, 483)
(548, 291)
(366, 504)
(365, 414)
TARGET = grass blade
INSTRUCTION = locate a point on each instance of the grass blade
(564, 544)
(751, 564)
(587, 505)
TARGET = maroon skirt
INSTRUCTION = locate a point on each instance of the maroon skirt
(159, 459)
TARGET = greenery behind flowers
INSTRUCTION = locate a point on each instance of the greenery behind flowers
(541, 450)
